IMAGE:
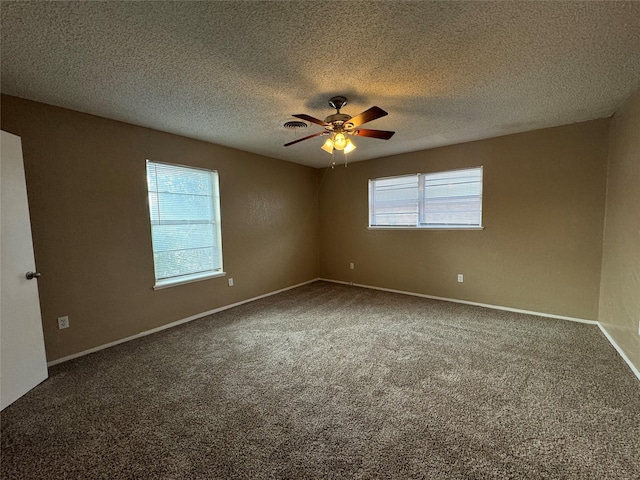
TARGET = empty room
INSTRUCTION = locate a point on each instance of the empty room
(320, 240)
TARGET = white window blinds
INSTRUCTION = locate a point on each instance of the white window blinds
(394, 201)
(450, 199)
(184, 206)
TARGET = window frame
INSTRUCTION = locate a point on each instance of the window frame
(420, 225)
(215, 197)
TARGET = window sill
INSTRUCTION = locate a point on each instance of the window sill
(425, 228)
(196, 277)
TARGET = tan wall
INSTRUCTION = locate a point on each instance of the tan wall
(541, 250)
(87, 195)
(620, 286)
(543, 209)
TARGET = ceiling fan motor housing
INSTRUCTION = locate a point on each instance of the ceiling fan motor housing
(338, 120)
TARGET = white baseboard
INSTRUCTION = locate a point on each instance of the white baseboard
(633, 368)
(509, 309)
(172, 324)
(454, 300)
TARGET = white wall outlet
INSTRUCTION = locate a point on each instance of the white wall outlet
(230, 282)
(638, 328)
(460, 278)
(352, 266)
(63, 322)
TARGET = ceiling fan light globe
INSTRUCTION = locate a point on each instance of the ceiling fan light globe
(350, 146)
(328, 146)
(339, 141)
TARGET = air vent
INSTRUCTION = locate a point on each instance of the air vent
(293, 124)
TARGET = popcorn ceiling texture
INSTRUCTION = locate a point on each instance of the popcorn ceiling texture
(232, 73)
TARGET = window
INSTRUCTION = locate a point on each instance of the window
(451, 199)
(184, 207)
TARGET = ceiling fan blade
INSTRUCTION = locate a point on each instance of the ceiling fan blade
(309, 118)
(304, 138)
(365, 132)
(367, 116)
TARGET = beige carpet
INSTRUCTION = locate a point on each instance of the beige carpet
(329, 381)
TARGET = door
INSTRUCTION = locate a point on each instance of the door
(23, 363)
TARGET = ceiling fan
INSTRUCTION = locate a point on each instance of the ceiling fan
(340, 125)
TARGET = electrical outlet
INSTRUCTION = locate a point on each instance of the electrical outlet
(352, 266)
(638, 328)
(230, 281)
(460, 278)
(63, 322)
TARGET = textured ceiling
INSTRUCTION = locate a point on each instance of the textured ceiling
(233, 72)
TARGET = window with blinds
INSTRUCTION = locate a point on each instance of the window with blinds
(450, 199)
(184, 207)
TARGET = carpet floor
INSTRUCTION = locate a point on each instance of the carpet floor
(330, 381)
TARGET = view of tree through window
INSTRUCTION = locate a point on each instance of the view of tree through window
(185, 227)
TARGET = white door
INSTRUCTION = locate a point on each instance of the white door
(23, 363)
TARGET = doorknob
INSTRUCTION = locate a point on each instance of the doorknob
(32, 275)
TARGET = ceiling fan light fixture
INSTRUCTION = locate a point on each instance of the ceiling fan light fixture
(339, 141)
(350, 146)
(328, 146)
(340, 126)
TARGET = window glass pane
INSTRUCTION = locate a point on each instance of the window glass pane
(394, 201)
(453, 212)
(442, 199)
(184, 262)
(178, 207)
(182, 237)
(176, 179)
(452, 198)
(184, 213)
